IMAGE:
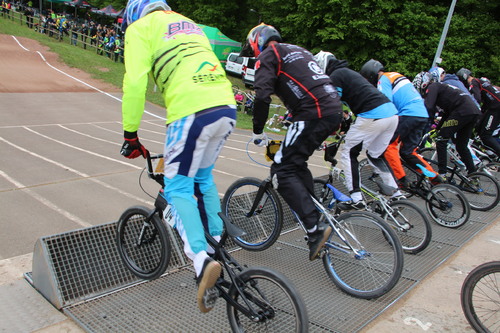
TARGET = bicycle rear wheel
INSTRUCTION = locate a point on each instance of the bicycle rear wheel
(279, 305)
(143, 245)
(447, 206)
(481, 190)
(264, 226)
(374, 266)
(411, 225)
(480, 297)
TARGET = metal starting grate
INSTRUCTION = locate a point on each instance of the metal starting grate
(98, 292)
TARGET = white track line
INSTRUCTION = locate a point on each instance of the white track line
(80, 81)
(78, 173)
(81, 149)
(44, 201)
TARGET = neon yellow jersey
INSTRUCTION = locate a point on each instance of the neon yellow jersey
(178, 55)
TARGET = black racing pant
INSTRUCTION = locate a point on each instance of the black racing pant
(462, 126)
(487, 126)
(295, 181)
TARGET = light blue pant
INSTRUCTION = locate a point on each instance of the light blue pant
(192, 146)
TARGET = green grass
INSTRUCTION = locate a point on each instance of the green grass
(101, 67)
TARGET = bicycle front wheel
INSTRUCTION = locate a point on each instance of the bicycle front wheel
(411, 225)
(274, 299)
(447, 206)
(480, 297)
(264, 225)
(368, 261)
(143, 244)
(481, 190)
(492, 169)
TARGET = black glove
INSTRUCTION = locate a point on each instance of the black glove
(132, 148)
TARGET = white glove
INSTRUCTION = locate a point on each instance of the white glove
(260, 139)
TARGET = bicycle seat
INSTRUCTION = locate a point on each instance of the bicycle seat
(231, 229)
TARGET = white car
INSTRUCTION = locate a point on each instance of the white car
(241, 67)
(249, 73)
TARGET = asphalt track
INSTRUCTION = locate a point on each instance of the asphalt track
(60, 170)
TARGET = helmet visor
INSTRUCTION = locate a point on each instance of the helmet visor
(247, 50)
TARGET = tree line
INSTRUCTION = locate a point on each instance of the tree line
(403, 35)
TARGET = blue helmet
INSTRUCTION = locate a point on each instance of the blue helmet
(138, 8)
(436, 73)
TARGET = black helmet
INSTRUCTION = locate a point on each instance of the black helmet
(258, 38)
(464, 74)
(370, 70)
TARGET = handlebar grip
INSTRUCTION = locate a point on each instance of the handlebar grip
(257, 142)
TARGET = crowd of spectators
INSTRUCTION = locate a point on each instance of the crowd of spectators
(84, 31)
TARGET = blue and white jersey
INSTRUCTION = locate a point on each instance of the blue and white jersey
(403, 94)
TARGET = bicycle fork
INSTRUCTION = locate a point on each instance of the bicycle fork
(260, 200)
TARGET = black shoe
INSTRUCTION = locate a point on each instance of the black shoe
(316, 240)
(439, 179)
(403, 183)
(349, 205)
(207, 294)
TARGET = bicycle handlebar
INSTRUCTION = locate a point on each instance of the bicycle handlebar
(158, 177)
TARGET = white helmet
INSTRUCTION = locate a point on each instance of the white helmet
(436, 73)
(323, 58)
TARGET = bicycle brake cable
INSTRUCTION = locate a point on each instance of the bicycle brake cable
(251, 158)
(140, 184)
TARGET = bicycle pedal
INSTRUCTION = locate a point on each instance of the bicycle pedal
(210, 297)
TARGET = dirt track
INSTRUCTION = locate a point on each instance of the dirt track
(24, 71)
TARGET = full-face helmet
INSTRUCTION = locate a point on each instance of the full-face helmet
(464, 74)
(258, 38)
(370, 70)
(323, 58)
(422, 81)
(139, 8)
(436, 73)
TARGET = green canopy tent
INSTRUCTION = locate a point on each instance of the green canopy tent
(221, 44)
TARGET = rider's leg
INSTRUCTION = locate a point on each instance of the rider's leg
(488, 125)
(376, 145)
(290, 172)
(293, 179)
(464, 133)
(208, 201)
(193, 143)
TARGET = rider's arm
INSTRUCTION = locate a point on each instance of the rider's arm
(265, 79)
(385, 86)
(431, 98)
(137, 67)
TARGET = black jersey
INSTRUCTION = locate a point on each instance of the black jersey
(449, 99)
(291, 72)
(360, 95)
(490, 96)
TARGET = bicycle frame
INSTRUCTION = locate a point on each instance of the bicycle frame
(457, 170)
(221, 254)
